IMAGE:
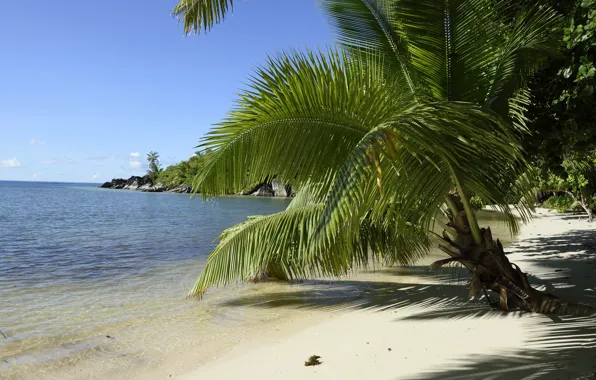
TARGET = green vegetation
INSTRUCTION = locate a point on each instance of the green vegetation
(562, 143)
(154, 166)
(577, 181)
(560, 203)
(182, 173)
(421, 106)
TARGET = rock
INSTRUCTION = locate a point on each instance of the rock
(149, 188)
(132, 186)
(264, 191)
(116, 183)
(281, 190)
(181, 189)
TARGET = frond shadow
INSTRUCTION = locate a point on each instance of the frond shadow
(558, 348)
(564, 265)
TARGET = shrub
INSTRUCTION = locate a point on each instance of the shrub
(477, 203)
(561, 203)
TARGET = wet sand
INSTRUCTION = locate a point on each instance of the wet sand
(393, 323)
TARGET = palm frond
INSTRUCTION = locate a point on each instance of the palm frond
(533, 37)
(364, 27)
(413, 158)
(284, 241)
(298, 120)
(201, 15)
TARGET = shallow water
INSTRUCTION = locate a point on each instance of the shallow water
(94, 280)
(78, 263)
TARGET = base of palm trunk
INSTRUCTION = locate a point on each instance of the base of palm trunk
(272, 272)
(491, 269)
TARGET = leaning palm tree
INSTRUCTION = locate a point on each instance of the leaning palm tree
(419, 107)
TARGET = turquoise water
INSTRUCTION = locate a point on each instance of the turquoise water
(78, 263)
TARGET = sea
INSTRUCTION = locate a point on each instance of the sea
(93, 283)
(98, 277)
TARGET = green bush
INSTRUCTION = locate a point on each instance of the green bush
(561, 203)
(477, 203)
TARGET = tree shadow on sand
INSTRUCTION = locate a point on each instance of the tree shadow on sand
(557, 348)
(563, 264)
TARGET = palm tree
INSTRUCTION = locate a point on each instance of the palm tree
(421, 106)
(154, 165)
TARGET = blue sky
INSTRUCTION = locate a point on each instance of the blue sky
(87, 88)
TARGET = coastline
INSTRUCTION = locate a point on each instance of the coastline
(264, 330)
(146, 184)
(426, 328)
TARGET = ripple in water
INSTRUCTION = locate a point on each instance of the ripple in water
(96, 275)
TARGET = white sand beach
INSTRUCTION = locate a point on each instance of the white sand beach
(392, 323)
(422, 326)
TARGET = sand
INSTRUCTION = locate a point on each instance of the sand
(416, 324)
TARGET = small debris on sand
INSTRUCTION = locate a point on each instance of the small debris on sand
(313, 360)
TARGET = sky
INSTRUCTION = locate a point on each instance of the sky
(88, 88)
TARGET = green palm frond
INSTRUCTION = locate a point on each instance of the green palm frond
(298, 120)
(201, 15)
(424, 96)
(413, 160)
(532, 38)
(364, 26)
(284, 241)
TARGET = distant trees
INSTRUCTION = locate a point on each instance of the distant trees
(562, 142)
(182, 173)
(154, 165)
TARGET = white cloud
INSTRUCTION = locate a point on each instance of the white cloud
(96, 175)
(37, 142)
(36, 175)
(10, 163)
(134, 162)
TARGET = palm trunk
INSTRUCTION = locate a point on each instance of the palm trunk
(491, 269)
(271, 272)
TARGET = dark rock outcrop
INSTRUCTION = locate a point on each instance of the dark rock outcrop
(181, 189)
(270, 189)
(133, 183)
(149, 188)
(266, 189)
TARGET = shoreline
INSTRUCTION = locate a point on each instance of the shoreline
(434, 332)
(148, 185)
(431, 331)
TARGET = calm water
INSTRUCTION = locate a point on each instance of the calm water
(78, 263)
(93, 282)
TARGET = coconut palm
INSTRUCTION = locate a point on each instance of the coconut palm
(154, 165)
(420, 107)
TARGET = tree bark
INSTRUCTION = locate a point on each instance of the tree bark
(583, 204)
(491, 269)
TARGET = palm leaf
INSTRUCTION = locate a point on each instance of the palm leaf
(300, 117)
(284, 241)
(533, 37)
(364, 27)
(197, 15)
(419, 153)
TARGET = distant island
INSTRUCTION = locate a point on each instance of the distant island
(179, 177)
